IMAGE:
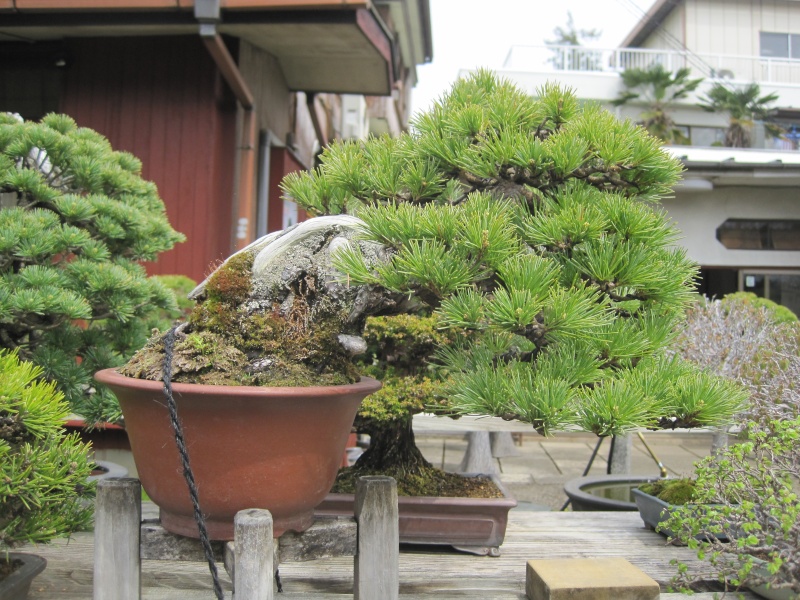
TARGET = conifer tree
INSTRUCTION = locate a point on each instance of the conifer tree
(532, 224)
(75, 220)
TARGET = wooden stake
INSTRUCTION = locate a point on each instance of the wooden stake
(253, 576)
(118, 514)
(377, 562)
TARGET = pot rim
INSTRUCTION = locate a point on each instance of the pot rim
(111, 377)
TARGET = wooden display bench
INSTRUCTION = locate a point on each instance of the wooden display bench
(122, 539)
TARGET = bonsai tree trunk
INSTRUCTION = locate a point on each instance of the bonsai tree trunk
(392, 448)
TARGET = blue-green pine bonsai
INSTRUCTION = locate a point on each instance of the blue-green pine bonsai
(76, 219)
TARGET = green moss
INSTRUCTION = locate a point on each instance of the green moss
(671, 491)
(225, 344)
(426, 482)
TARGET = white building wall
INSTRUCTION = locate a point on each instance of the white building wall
(672, 32)
(698, 214)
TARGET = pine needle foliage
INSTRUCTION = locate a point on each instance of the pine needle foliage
(535, 229)
(75, 220)
(43, 488)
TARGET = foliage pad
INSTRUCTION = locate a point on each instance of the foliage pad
(75, 220)
(531, 224)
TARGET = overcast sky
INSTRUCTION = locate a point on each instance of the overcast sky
(478, 33)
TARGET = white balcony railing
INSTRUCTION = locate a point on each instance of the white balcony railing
(759, 69)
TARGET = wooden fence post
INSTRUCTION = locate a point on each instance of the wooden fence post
(253, 574)
(117, 526)
(377, 562)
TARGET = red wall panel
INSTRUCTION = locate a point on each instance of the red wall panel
(160, 99)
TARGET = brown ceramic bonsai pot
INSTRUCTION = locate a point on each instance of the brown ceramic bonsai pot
(249, 447)
(475, 525)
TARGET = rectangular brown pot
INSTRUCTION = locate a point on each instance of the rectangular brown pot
(476, 525)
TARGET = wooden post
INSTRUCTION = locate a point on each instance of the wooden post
(377, 562)
(118, 515)
(253, 576)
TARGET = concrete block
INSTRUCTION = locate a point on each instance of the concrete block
(588, 579)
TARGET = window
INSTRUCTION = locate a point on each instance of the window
(780, 45)
(707, 136)
(744, 234)
(782, 287)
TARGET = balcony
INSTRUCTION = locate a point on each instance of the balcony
(594, 72)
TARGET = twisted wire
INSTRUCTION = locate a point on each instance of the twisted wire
(169, 344)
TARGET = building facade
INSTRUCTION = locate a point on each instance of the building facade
(218, 98)
(738, 208)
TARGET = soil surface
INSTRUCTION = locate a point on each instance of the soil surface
(435, 483)
(8, 567)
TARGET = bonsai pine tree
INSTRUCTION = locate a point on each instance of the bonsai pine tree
(43, 488)
(531, 223)
(75, 220)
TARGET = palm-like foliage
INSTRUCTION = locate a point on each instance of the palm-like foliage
(744, 106)
(658, 88)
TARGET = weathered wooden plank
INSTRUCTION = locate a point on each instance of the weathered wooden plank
(117, 567)
(377, 559)
(425, 572)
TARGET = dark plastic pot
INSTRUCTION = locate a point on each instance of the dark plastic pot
(16, 585)
(604, 492)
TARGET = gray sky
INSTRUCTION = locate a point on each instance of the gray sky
(479, 33)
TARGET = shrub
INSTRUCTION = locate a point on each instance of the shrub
(750, 342)
(751, 492)
(43, 471)
(75, 220)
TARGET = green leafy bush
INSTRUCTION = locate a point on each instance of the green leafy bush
(75, 220)
(43, 488)
(751, 493)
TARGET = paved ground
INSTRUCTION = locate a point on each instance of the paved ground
(537, 474)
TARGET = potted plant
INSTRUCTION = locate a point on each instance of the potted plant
(657, 500)
(750, 494)
(659, 89)
(435, 507)
(744, 105)
(522, 220)
(44, 492)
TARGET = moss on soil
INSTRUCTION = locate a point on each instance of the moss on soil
(671, 491)
(429, 481)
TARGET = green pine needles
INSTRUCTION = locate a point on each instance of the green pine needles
(532, 224)
(43, 488)
(75, 219)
